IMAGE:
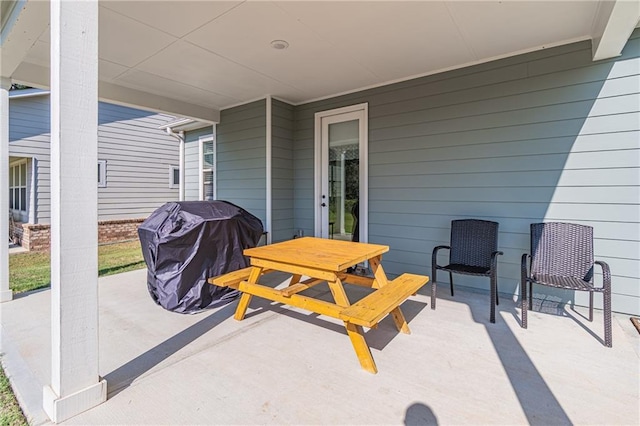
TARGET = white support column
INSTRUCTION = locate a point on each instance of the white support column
(613, 24)
(5, 293)
(343, 190)
(75, 383)
(181, 170)
(268, 175)
(215, 162)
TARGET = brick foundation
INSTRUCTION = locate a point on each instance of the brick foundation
(34, 237)
(112, 231)
(38, 237)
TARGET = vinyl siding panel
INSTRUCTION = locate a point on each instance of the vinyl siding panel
(282, 171)
(29, 135)
(137, 154)
(241, 157)
(544, 136)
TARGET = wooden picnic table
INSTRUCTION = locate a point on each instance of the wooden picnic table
(324, 260)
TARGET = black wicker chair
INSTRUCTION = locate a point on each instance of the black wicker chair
(473, 251)
(562, 257)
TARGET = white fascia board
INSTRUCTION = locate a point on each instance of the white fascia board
(184, 125)
(176, 123)
(115, 94)
(38, 76)
(612, 27)
(27, 93)
(28, 20)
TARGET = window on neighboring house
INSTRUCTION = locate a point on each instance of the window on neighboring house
(102, 173)
(18, 187)
(174, 176)
(207, 170)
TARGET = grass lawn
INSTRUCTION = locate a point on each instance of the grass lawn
(32, 270)
(10, 412)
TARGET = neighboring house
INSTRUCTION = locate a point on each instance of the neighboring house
(544, 136)
(137, 167)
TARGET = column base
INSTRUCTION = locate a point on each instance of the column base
(60, 409)
(6, 296)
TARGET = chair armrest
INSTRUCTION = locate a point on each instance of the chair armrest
(434, 255)
(606, 273)
(494, 259)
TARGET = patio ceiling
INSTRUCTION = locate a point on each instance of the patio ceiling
(196, 58)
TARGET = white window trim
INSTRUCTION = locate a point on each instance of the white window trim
(201, 141)
(364, 166)
(102, 178)
(26, 184)
(172, 183)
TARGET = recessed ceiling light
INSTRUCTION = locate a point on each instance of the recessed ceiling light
(279, 44)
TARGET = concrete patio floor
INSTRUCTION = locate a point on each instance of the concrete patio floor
(286, 366)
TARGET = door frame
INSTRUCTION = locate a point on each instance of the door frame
(363, 218)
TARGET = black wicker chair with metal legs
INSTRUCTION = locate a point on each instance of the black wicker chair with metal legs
(473, 251)
(562, 257)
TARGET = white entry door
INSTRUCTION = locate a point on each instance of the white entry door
(341, 173)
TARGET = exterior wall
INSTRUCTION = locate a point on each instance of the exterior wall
(282, 171)
(192, 162)
(241, 157)
(544, 136)
(29, 135)
(137, 154)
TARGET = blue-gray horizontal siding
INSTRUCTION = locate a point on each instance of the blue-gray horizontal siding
(241, 157)
(29, 136)
(281, 171)
(544, 136)
(192, 162)
(137, 153)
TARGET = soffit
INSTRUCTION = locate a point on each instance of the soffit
(218, 54)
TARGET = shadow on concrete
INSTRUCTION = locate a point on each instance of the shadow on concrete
(537, 400)
(419, 414)
(553, 305)
(122, 377)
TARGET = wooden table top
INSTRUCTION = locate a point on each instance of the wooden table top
(318, 253)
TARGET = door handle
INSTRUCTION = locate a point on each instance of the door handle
(324, 204)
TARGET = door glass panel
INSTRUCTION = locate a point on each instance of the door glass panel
(344, 185)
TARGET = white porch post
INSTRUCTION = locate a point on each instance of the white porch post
(181, 171)
(75, 383)
(343, 189)
(5, 292)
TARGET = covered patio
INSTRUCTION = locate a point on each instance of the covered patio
(517, 112)
(284, 366)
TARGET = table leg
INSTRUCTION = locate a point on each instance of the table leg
(356, 334)
(401, 323)
(245, 299)
(338, 292)
(382, 280)
(378, 272)
(295, 279)
(243, 304)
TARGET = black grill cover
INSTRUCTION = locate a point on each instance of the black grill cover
(184, 243)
